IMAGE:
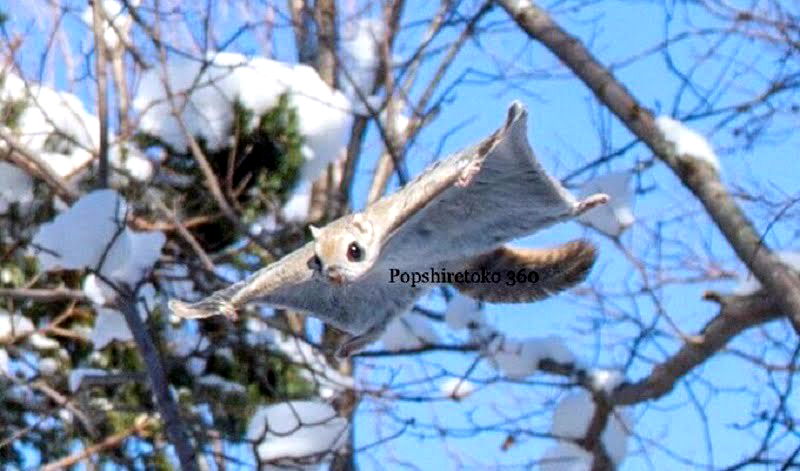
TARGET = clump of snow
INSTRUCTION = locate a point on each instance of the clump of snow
(295, 430)
(400, 121)
(16, 186)
(78, 238)
(360, 54)
(93, 234)
(296, 209)
(457, 388)
(613, 218)
(573, 415)
(54, 125)
(116, 19)
(514, 358)
(463, 312)
(409, 331)
(14, 325)
(97, 290)
(146, 300)
(145, 249)
(48, 366)
(206, 96)
(566, 456)
(605, 380)
(750, 284)
(615, 436)
(325, 118)
(3, 361)
(187, 339)
(12, 87)
(109, 325)
(77, 375)
(557, 350)
(129, 161)
(688, 142)
(520, 358)
(43, 342)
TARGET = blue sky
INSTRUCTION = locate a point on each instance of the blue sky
(563, 122)
(563, 132)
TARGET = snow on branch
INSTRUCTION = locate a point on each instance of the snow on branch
(749, 284)
(572, 419)
(93, 235)
(296, 432)
(409, 331)
(521, 358)
(116, 21)
(16, 186)
(56, 127)
(205, 95)
(360, 55)
(688, 142)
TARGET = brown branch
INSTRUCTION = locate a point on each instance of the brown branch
(302, 19)
(98, 22)
(43, 295)
(65, 402)
(113, 441)
(392, 159)
(737, 314)
(188, 237)
(209, 178)
(592, 439)
(698, 177)
(35, 166)
(392, 14)
(325, 17)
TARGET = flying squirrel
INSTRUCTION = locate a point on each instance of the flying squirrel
(455, 216)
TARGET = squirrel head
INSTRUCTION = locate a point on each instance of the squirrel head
(345, 252)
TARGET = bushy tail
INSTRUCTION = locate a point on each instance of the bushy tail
(556, 269)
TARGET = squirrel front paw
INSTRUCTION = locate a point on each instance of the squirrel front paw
(210, 306)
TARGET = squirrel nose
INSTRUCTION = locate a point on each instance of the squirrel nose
(334, 276)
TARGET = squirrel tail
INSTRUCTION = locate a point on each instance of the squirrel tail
(530, 274)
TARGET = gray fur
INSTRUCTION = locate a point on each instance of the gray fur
(461, 207)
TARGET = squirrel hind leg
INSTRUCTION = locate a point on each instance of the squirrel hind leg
(357, 343)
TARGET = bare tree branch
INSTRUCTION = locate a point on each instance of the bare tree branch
(34, 165)
(701, 179)
(98, 26)
(167, 405)
(112, 441)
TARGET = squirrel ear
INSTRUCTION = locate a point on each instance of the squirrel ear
(314, 230)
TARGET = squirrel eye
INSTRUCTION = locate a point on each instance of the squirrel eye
(354, 252)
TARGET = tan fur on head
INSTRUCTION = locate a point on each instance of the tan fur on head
(348, 251)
